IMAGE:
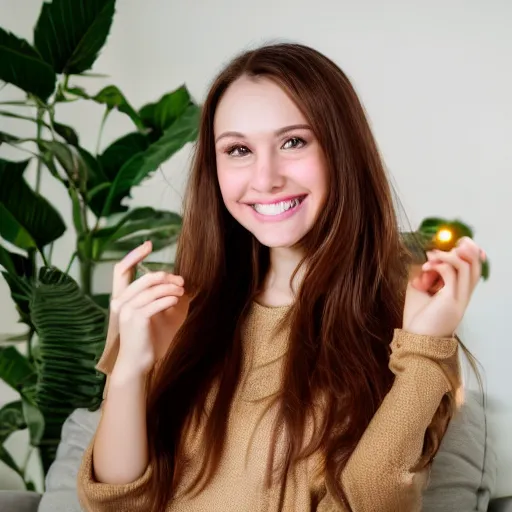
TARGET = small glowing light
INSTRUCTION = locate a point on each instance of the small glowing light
(444, 235)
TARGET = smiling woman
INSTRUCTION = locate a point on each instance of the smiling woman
(290, 365)
(270, 166)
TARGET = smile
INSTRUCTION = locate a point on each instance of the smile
(279, 208)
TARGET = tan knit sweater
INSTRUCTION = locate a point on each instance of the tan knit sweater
(377, 478)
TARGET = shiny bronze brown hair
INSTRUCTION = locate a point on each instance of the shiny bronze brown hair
(348, 305)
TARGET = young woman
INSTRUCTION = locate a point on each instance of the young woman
(292, 364)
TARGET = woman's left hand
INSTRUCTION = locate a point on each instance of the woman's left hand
(437, 298)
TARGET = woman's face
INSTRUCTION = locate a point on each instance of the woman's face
(270, 166)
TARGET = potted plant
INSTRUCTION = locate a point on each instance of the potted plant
(65, 319)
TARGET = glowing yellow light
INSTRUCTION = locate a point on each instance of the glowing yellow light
(444, 235)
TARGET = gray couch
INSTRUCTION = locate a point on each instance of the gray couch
(462, 477)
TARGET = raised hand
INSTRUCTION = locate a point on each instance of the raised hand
(437, 298)
(145, 313)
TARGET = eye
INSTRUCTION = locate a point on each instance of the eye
(237, 151)
(294, 143)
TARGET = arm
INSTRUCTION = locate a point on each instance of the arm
(111, 476)
(379, 475)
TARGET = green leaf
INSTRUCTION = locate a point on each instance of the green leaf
(5, 113)
(34, 419)
(78, 91)
(102, 299)
(15, 369)
(120, 151)
(161, 227)
(69, 34)
(112, 97)
(77, 211)
(11, 419)
(22, 66)
(7, 459)
(141, 165)
(486, 269)
(6, 137)
(19, 277)
(162, 114)
(67, 133)
(82, 169)
(27, 219)
(71, 330)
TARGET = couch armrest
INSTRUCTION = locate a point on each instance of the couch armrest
(20, 501)
(501, 505)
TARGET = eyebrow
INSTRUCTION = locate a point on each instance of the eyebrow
(277, 133)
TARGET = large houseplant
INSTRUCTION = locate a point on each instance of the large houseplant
(65, 320)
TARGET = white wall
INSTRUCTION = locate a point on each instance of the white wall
(435, 78)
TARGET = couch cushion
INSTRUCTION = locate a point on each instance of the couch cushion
(19, 501)
(463, 474)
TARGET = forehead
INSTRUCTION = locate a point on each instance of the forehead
(255, 105)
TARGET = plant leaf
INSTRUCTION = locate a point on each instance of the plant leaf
(82, 169)
(22, 66)
(7, 459)
(5, 113)
(6, 137)
(19, 275)
(71, 331)
(112, 97)
(15, 369)
(120, 151)
(67, 133)
(33, 417)
(162, 114)
(141, 165)
(161, 227)
(69, 34)
(28, 220)
(11, 419)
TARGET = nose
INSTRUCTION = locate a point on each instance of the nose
(266, 176)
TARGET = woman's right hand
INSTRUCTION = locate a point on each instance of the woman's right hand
(143, 313)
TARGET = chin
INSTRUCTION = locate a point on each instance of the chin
(278, 240)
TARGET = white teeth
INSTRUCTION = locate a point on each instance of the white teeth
(276, 208)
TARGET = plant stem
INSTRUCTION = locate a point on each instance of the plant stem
(40, 116)
(102, 125)
(86, 276)
(72, 259)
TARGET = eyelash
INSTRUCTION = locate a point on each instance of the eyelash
(231, 149)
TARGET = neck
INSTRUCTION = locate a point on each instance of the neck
(278, 289)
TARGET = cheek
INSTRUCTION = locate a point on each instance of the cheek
(309, 173)
(231, 185)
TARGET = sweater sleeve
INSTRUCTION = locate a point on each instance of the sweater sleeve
(380, 473)
(95, 496)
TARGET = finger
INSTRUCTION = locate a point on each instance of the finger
(470, 252)
(463, 284)
(124, 270)
(139, 285)
(158, 306)
(154, 293)
(426, 280)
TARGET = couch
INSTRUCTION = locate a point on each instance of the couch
(462, 477)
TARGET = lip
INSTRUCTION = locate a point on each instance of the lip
(279, 200)
(282, 216)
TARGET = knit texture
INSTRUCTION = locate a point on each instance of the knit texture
(377, 478)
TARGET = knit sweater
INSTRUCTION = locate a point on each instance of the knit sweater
(379, 476)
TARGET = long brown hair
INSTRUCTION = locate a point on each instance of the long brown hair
(348, 305)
